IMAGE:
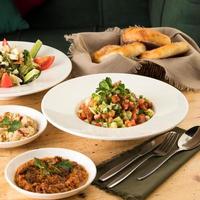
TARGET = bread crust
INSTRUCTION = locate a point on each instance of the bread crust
(127, 50)
(145, 35)
(166, 51)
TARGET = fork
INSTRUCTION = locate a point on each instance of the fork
(163, 149)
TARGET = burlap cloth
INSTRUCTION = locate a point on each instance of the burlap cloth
(181, 71)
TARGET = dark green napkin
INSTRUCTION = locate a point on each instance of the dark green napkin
(131, 188)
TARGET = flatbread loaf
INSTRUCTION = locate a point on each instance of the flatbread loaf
(166, 51)
(145, 35)
(127, 50)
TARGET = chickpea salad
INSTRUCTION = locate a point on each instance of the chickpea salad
(113, 105)
(14, 127)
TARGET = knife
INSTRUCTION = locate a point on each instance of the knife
(145, 149)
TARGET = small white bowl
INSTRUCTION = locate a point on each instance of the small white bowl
(24, 111)
(81, 159)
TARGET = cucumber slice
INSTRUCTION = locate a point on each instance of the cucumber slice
(32, 75)
(24, 69)
(35, 48)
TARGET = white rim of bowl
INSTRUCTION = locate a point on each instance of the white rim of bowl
(89, 181)
(28, 138)
(69, 131)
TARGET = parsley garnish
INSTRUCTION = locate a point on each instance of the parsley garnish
(48, 168)
(42, 166)
(11, 125)
(65, 164)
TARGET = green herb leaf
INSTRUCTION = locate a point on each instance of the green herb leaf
(109, 81)
(39, 163)
(5, 122)
(105, 84)
(65, 164)
(15, 125)
(54, 170)
(42, 166)
(141, 111)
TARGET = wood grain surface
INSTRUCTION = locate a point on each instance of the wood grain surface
(182, 185)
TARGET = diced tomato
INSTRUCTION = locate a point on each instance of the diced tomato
(115, 98)
(141, 118)
(6, 81)
(142, 104)
(82, 115)
(141, 101)
(87, 113)
(131, 104)
(148, 104)
(89, 116)
(98, 124)
(110, 119)
(125, 105)
(5, 42)
(133, 122)
(134, 115)
(129, 123)
(44, 62)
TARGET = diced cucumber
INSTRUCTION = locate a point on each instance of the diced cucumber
(113, 125)
(103, 107)
(119, 121)
(129, 114)
(126, 115)
(132, 98)
(32, 75)
(149, 112)
(35, 48)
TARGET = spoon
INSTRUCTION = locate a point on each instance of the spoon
(188, 141)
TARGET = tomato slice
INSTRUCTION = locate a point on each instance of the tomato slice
(6, 81)
(44, 62)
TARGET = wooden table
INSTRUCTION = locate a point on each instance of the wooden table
(183, 185)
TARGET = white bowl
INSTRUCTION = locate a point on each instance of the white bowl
(23, 110)
(81, 159)
(170, 106)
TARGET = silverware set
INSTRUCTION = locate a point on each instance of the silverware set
(166, 146)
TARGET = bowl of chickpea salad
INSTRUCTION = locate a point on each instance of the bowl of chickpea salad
(19, 125)
(113, 105)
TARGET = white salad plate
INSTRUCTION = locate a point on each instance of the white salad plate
(60, 104)
(81, 159)
(24, 111)
(59, 71)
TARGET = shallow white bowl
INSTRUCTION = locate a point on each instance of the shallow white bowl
(81, 159)
(23, 110)
(59, 71)
(60, 103)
